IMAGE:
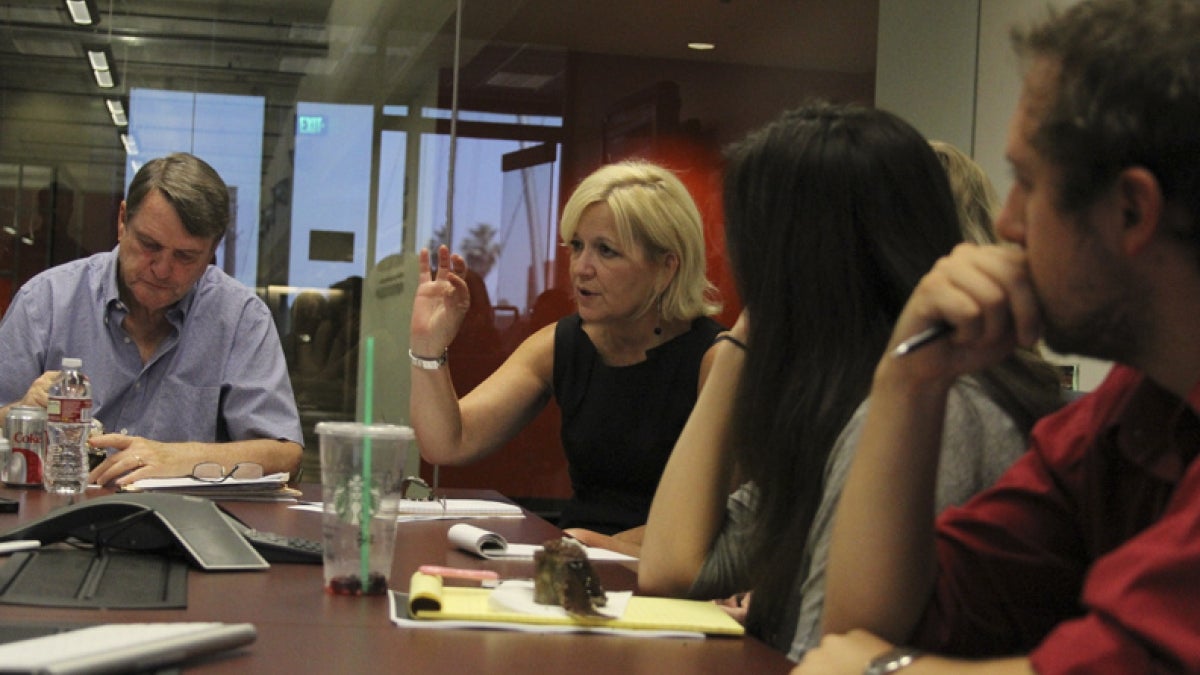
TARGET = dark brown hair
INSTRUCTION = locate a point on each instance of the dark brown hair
(192, 187)
(1127, 94)
(833, 213)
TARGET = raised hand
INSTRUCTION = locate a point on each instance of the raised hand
(440, 304)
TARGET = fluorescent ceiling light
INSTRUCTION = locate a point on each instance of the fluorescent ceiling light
(117, 111)
(101, 62)
(80, 13)
(701, 46)
(130, 144)
(509, 80)
(98, 59)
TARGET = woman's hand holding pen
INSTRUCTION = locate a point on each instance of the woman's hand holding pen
(441, 303)
(980, 305)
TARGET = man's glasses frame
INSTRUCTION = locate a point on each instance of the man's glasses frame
(414, 488)
(214, 472)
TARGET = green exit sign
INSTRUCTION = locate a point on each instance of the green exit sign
(310, 125)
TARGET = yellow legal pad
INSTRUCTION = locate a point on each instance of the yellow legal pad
(429, 600)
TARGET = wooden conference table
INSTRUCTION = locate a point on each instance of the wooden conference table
(301, 629)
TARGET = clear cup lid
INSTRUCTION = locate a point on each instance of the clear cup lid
(388, 431)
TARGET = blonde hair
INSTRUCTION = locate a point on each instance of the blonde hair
(974, 197)
(654, 211)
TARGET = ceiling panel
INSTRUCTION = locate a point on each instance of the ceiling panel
(370, 51)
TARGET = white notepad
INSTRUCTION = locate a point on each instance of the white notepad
(443, 509)
(119, 647)
(458, 508)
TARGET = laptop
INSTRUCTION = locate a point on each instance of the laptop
(113, 647)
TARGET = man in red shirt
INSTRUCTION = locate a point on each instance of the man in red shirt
(1085, 556)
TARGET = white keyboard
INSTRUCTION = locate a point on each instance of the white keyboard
(120, 646)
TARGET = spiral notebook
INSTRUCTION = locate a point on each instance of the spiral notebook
(490, 545)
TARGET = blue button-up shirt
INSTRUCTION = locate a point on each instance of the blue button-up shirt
(219, 376)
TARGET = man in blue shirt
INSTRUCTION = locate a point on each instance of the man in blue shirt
(185, 362)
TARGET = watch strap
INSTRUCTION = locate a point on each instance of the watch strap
(426, 363)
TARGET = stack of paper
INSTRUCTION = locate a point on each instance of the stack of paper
(272, 488)
(444, 509)
(457, 508)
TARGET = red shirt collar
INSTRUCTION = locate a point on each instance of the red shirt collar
(1159, 431)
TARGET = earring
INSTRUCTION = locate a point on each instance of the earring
(658, 328)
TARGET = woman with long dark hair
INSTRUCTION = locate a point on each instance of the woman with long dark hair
(833, 214)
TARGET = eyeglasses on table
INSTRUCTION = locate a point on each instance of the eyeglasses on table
(415, 489)
(214, 472)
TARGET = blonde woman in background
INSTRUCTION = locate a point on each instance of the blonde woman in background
(974, 197)
(625, 369)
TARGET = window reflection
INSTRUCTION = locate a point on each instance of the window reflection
(331, 120)
(227, 132)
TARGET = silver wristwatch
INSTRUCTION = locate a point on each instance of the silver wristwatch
(425, 363)
(892, 660)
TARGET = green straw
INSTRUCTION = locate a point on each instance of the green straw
(364, 553)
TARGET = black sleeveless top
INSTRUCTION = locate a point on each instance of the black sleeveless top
(619, 424)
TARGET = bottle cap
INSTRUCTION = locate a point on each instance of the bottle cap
(69, 362)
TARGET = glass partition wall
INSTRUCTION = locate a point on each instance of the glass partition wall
(355, 132)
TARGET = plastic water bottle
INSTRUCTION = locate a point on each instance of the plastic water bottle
(68, 419)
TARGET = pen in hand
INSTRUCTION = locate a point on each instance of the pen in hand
(934, 332)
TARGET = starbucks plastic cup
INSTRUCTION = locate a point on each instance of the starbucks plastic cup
(362, 469)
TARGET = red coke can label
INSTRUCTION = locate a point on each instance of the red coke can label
(26, 430)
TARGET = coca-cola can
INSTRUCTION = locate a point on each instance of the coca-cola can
(25, 427)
